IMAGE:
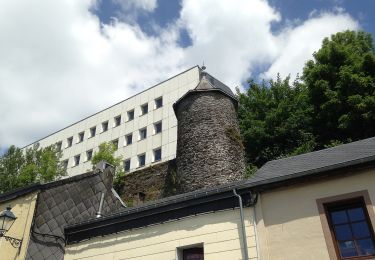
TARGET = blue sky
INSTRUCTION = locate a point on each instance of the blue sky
(167, 11)
(64, 60)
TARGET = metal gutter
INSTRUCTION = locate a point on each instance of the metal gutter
(244, 236)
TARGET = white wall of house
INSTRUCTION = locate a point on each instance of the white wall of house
(219, 233)
(170, 91)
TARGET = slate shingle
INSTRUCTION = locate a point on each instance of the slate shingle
(66, 202)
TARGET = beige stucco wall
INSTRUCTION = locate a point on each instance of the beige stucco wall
(23, 208)
(219, 232)
(289, 225)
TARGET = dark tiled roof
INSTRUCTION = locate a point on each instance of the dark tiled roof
(209, 83)
(13, 194)
(217, 84)
(319, 161)
(66, 202)
(273, 173)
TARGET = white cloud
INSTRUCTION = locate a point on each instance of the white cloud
(147, 5)
(297, 44)
(59, 64)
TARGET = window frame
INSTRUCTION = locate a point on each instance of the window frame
(138, 157)
(117, 121)
(155, 127)
(115, 142)
(81, 137)
(89, 152)
(128, 113)
(154, 152)
(126, 139)
(344, 199)
(156, 102)
(143, 112)
(180, 251)
(140, 135)
(92, 131)
(77, 162)
(124, 164)
(106, 124)
(69, 142)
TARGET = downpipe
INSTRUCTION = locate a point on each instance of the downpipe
(244, 237)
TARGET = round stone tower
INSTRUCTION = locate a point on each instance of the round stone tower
(209, 147)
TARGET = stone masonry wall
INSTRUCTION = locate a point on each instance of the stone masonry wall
(155, 182)
(209, 147)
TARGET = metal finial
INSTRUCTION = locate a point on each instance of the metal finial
(203, 67)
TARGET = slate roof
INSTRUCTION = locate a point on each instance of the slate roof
(316, 162)
(65, 202)
(277, 172)
(209, 83)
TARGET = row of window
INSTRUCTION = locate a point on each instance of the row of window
(116, 122)
(141, 159)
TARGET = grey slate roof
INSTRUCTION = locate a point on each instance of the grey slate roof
(209, 83)
(274, 172)
(315, 162)
(66, 202)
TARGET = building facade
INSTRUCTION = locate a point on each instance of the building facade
(143, 127)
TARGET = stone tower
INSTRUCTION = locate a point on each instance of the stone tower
(209, 147)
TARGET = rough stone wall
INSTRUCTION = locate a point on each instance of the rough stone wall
(209, 147)
(156, 182)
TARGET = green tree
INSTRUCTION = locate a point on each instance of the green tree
(107, 153)
(275, 121)
(21, 168)
(341, 88)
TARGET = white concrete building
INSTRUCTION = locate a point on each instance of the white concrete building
(144, 127)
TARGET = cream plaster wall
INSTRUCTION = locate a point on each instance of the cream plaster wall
(289, 225)
(219, 232)
(171, 90)
(23, 208)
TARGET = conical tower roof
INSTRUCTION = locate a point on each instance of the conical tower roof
(209, 83)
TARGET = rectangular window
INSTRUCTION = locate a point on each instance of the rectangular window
(89, 155)
(76, 159)
(115, 143)
(128, 139)
(92, 131)
(141, 160)
(105, 126)
(195, 252)
(117, 121)
(157, 127)
(158, 102)
(157, 154)
(351, 229)
(130, 115)
(65, 164)
(58, 146)
(144, 109)
(127, 165)
(69, 141)
(81, 136)
(347, 221)
(142, 133)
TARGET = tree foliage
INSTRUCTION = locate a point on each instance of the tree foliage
(107, 153)
(275, 120)
(341, 88)
(334, 103)
(20, 168)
